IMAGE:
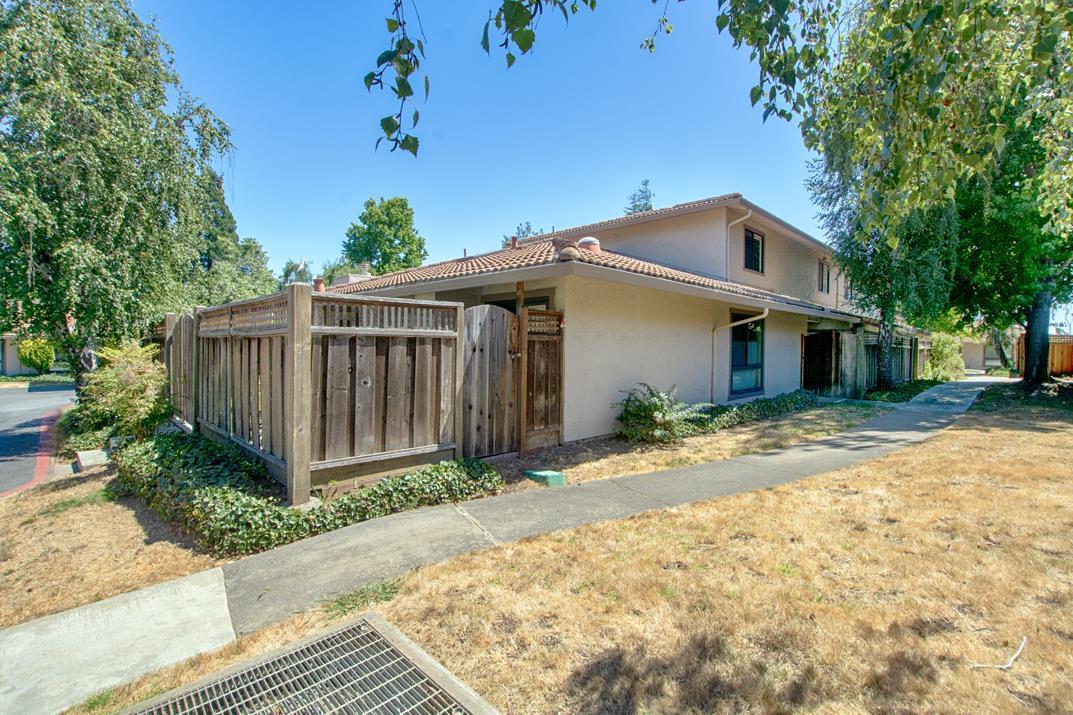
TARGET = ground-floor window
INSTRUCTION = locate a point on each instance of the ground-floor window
(746, 356)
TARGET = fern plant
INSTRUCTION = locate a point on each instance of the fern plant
(655, 417)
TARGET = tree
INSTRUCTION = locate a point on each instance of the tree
(923, 84)
(640, 200)
(339, 267)
(227, 268)
(295, 272)
(101, 154)
(385, 237)
(1012, 270)
(524, 230)
(906, 275)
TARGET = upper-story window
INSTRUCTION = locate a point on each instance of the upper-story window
(823, 276)
(754, 251)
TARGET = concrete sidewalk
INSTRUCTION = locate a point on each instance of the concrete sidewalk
(95, 640)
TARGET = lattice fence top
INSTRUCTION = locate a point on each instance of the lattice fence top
(250, 317)
(545, 322)
(1062, 340)
(336, 311)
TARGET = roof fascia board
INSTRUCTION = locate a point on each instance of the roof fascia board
(475, 280)
(621, 221)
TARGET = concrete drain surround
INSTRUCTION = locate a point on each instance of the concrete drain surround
(367, 666)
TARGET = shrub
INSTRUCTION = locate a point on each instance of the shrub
(79, 431)
(655, 417)
(1002, 372)
(129, 390)
(944, 359)
(903, 391)
(228, 503)
(38, 353)
(715, 418)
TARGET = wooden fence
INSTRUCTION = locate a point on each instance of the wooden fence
(321, 386)
(1061, 355)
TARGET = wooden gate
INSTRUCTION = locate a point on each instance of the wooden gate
(542, 365)
(489, 386)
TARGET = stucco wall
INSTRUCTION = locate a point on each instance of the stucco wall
(618, 335)
(9, 361)
(790, 267)
(694, 242)
(973, 354)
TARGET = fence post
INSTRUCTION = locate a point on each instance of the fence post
(296, 391)
(195, 394)
(460, 375)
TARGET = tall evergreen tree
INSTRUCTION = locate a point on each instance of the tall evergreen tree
(640, 200)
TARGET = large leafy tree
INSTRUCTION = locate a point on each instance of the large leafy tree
(1012, 269)
(907, 275)
(384, 237)
(101, 159)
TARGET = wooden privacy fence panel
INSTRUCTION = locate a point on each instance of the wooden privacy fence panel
(179, 362)
(489, 401)
(385, 379)
(542, 368)
(1060, 360)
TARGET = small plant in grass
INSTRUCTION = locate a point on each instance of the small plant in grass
(655, 417)
(944, 359)
(38, 353)
(129, 390)
(368, 595)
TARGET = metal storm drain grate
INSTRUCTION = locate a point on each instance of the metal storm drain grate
(366, 667)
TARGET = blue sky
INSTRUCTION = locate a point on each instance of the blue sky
(558, 140)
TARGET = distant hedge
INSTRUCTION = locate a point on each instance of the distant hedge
(232, 508)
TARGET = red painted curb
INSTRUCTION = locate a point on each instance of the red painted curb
(45, 445)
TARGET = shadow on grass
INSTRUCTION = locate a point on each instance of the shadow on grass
(702, 676)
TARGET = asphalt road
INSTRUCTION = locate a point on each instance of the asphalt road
(22, 412)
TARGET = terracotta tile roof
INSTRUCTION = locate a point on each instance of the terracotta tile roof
(546, 251)
(636, 217)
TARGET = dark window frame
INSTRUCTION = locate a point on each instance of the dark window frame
(750, 233)
(758, 390)
(823, 276)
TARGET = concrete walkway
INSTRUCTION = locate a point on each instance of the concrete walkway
(182, 618)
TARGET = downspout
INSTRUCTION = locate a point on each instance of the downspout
(717, 328)
(726, 275)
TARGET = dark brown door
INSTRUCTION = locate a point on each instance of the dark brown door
(542, 368)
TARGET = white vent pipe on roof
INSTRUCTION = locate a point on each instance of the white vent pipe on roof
(589, 243)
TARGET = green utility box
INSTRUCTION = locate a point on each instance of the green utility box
(546, 477)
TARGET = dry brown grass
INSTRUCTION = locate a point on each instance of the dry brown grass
(63, 544)
(871, 589)
(606, 457)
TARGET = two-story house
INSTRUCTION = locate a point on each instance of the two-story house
(718, 296)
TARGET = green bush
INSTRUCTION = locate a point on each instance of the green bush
(37, 353)
(228, 503)
(944, 359)
(79, 431)
(654, 417)
(762, 408)
(128, 390)
(903, 391)
(1002, 372)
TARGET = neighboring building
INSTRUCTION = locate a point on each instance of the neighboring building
(9, 357)
(719, 297)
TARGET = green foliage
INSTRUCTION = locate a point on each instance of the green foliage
(655, 417)
(640, 200)
(48, 378)
(101, 154)
(763, 408)
(385, 237)
(903, 391)
(1001, 372)
(295, 272)
(524, 230)
(80, 429)
(944, 359)
(37, 353)
(229, 505)
(340, 267)
(362, 598)
(129, 389)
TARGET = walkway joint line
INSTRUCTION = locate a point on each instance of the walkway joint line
(480, 527)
